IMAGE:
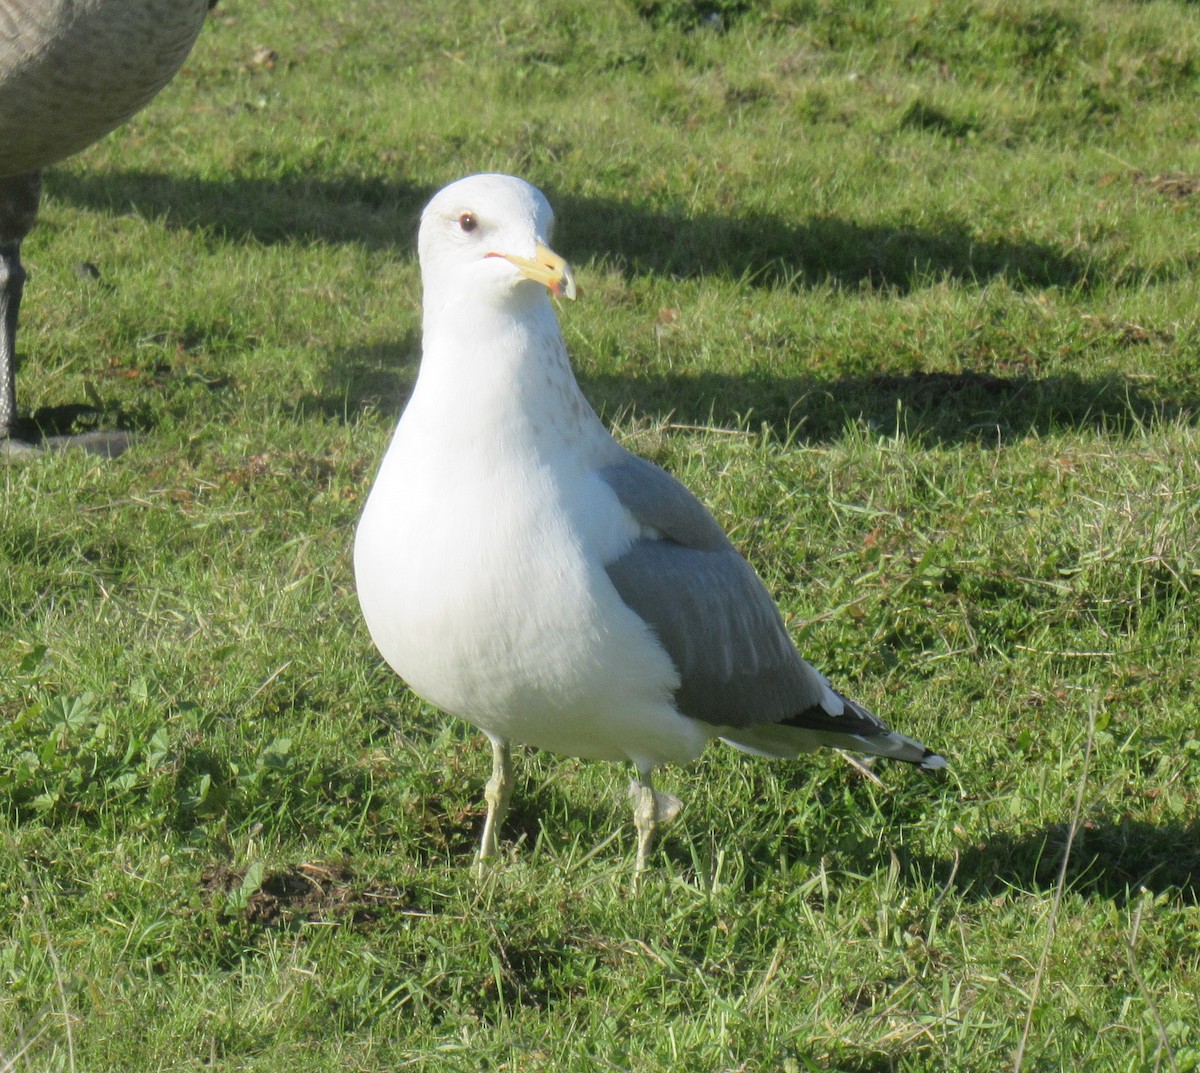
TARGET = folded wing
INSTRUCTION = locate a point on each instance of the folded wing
(738, 667)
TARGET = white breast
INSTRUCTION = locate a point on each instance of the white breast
(482, 585)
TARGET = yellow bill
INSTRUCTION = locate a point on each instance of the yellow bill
(546, 268)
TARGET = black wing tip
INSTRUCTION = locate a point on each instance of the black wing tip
(911, 751)
(855, 719)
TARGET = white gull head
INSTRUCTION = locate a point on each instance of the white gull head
(489, 235)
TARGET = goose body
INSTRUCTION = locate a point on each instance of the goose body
(71, 71)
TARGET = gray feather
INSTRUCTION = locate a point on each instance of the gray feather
(657, 500)
(716, 619)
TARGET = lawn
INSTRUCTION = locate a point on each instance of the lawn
(906, 293)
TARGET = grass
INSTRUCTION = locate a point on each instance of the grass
(905, 292)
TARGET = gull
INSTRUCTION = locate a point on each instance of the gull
(520, 569)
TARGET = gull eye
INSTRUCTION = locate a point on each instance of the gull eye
(468, 221)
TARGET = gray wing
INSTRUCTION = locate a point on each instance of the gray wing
(716, 619)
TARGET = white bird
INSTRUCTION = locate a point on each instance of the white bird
(520, 569)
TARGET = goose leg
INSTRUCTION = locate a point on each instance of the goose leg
(497, 793)
(19, 197)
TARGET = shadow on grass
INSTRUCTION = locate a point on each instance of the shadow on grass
(771, 251)
(930, 407)
(765, 249)
(376, 213)
(1109, 860)
(836, 820)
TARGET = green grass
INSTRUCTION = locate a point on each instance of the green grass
(906, 292)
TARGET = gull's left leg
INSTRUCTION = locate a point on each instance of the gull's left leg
(651, 808)
(497, 794)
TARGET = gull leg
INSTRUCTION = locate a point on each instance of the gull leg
(651, 808)
(497, 794)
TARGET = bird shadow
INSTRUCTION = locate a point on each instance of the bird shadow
(763, 249)
(769, 250)
(373, 212)
(935, 408)
(1113, 860)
